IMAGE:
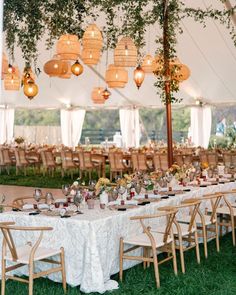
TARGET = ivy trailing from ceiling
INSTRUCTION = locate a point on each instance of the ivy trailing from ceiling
(28, 22)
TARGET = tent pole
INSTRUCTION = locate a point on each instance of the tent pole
(166, 53)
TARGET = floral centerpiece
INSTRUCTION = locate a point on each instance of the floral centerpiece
(103, 185)
(19, 139)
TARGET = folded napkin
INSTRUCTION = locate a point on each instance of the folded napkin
(43, 206)
(127, 202)
(60, 200)
(150, 196)
(28, 206)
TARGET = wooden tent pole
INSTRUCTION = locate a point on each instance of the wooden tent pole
(166, 53)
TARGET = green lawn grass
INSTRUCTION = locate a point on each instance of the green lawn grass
(215, 275)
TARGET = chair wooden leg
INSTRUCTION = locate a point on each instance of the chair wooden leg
(31, 277)
(145, 255)
(197, 246)
(174, 257)
(121, 259)
(181, 250)
(156, 270)
(3, 284)
(217, 237)
(204, 232)
(233, 229)
(63, 271)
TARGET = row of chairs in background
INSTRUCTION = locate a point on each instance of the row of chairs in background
(181, 228)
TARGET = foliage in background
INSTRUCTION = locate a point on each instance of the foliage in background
(37, 117)
(27, 22)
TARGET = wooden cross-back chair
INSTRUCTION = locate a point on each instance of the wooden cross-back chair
(139, 162)
(28, 255)
(185, 232)
(5, 160)
(49, 164)
(227, 213)
(160, 161)
(21, 161)
(67, 163)
(150, 241)
(117, 164)
(87, 165)
(21, 201)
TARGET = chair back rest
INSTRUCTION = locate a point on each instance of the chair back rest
(156, 162)
(7, 227)
(169, 215)
(164, 162)
(142, 161)
(215, 200)
(67, 158)
(118, 160)
(85, 159)
(1, 157)
(187, 159)
(212, 158)
(134, 161)
(111, 157)
(233, 159)
(47, 158)
(193, 206)
(20, 157)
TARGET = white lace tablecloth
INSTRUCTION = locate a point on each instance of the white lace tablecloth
(91, 240)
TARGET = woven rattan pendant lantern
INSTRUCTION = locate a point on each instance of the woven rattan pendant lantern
(4, 64)
(92, 38)
(90, 56)
(97, 96)
(68, 47)
(30, 89)
(179, 72)
(12, 82)
(147, 65)
(55, 67)
(116, 77)
(66, 73)
(125, 53)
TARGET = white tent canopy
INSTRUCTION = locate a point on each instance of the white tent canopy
(209, 53)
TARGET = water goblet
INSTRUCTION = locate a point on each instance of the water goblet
(49, 200)
(78, 198)
(37, 196)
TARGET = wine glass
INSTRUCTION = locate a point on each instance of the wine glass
(49, 200)
(78, 198)
(137, 188)
(114, 194)
(3, 198)
(121, 190)
(37, 196)
(66, 189)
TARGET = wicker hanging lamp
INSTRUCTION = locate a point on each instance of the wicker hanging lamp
(90, 56)
(125, 53)
(66, 72)
(55, 67)
(179, 72)
(4, 64)
(68, 47)
(116, 77)
(147, 64)
(97, 95)
(92, 38)
(12, 82)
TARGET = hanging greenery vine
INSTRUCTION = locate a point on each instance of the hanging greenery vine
(28, 22)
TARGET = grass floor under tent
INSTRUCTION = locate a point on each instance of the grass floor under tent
(215, 275)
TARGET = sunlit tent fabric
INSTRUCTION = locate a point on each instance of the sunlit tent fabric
(130, 129)
(6, 125)
(200, 129)
(71, 126)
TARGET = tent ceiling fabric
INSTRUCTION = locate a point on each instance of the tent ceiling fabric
(209, 53)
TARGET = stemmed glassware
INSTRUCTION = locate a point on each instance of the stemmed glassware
(78, 198)
(49, 200)
(37, 196)
(138, 188)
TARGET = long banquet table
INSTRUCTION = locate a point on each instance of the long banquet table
(91, 240)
